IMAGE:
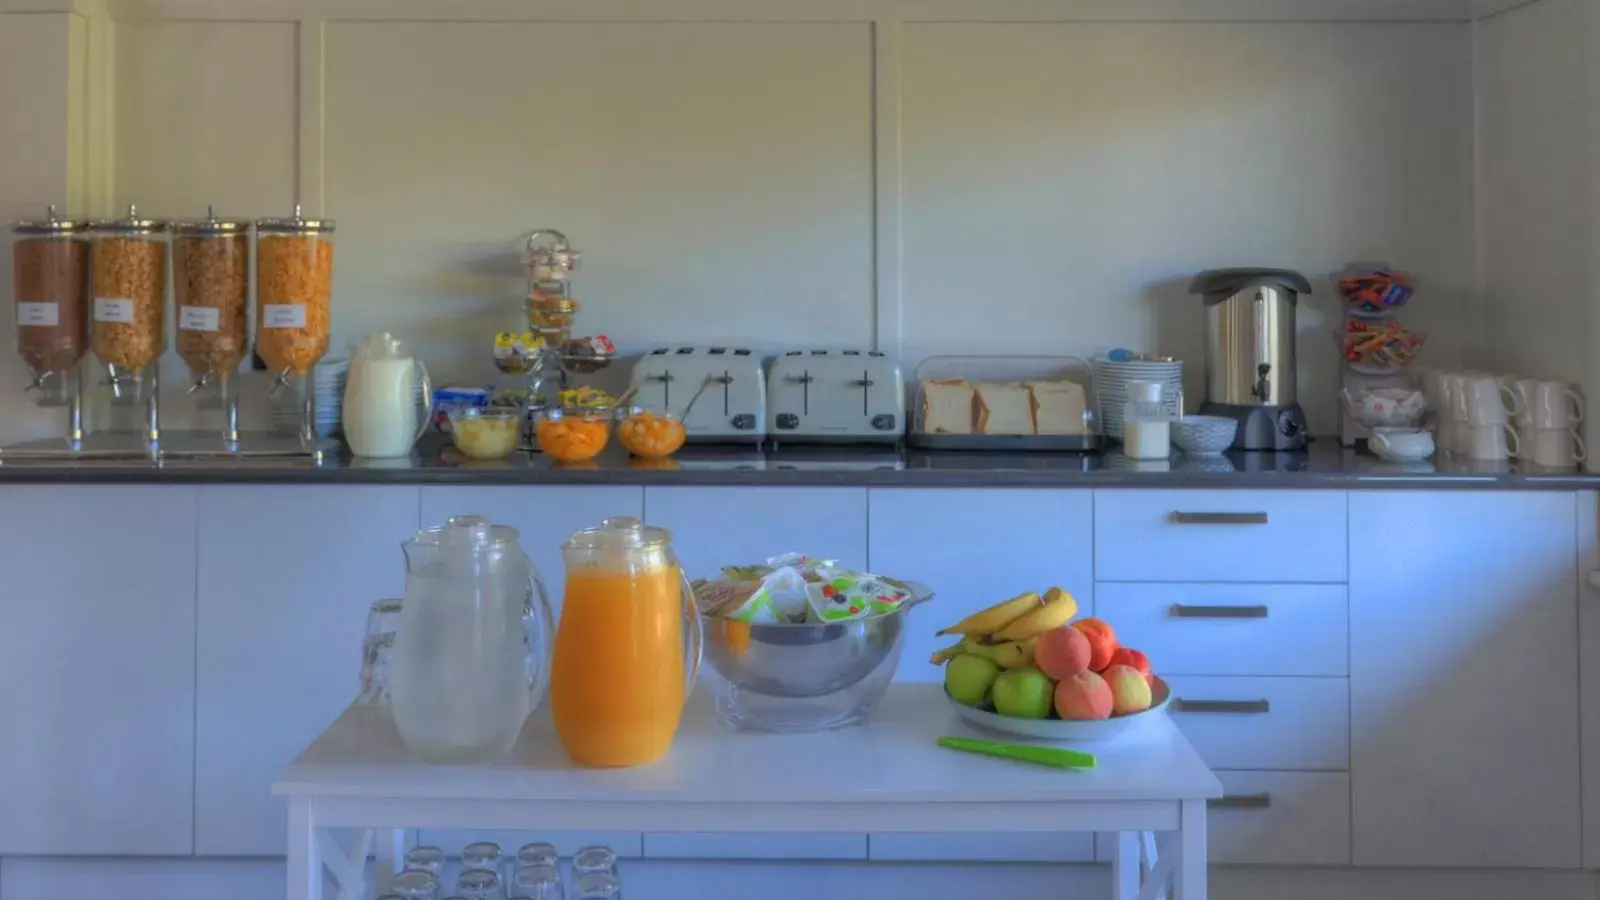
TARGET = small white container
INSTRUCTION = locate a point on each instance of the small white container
(1146, 424)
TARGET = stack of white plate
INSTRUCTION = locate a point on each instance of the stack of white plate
(327, 386)
(1111, 385)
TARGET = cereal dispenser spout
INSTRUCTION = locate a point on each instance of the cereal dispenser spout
(201, 380)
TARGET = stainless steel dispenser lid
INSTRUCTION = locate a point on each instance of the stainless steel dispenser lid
(1219, 284)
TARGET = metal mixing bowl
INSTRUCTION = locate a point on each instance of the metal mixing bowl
(802, 660)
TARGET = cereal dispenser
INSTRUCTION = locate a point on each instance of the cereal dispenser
(294, 292)
(210, 287)
(128, 315)
(50, 281)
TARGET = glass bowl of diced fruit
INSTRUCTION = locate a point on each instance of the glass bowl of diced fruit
(573, 435)
(649, 434)
(485, 433)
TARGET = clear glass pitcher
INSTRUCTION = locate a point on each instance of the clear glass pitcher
(471, 653)
(627, 651)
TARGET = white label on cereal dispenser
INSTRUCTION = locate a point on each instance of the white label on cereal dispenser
(283, 315)
(115, 311)
(38, 315)
(199, 318)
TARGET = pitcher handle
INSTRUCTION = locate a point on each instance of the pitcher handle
(427, 401)
(694, 636)
(538, 604)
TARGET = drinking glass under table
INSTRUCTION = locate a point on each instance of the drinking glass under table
(355, 791)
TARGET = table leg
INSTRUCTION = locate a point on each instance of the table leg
(1190, 883)
(305, 857)
(1125, 869)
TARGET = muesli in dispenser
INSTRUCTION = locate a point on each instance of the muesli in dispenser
(50, 284)
(129, 290)
(294, 294)
(210, 286)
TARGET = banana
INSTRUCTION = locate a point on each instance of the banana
(940, 657)
(1009, 655)
(996, 617)
(1058, 609)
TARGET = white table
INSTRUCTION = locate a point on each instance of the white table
(1150, 789)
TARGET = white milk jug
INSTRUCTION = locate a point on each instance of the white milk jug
(384, 413)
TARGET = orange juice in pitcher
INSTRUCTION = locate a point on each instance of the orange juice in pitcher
(628, 646)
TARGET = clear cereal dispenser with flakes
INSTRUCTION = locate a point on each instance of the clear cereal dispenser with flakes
(50, 286)
(128, 312)
(294, 294)
(211, 287)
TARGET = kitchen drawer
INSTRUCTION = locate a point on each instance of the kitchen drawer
(741, 845)
(1223, 629)
(1281, 818)
(1030, 847)
(1265, 723)
(1225, 536)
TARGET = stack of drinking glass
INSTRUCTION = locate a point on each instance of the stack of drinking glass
(484, 873)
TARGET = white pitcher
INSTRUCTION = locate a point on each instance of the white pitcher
(383, 412)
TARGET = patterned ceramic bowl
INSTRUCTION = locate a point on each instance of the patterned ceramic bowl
(1204, 435)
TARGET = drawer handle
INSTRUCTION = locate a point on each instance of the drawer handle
(1241, 801)
(1247, 707)
(1218, 612)
(1220, 518)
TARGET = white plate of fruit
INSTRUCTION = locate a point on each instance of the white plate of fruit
(1027, 667)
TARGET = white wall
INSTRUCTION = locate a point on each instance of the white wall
(1537, 115)
(42, 113)
(1040, 187)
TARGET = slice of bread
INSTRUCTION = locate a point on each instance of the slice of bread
(1004, 408)
(1058, 408)
(947, 406)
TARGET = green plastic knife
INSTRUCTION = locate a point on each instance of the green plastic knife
(1058, 757)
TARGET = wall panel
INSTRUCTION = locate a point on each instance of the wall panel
(719, 177)
(1063, 182)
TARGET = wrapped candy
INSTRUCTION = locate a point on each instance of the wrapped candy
(797, 589)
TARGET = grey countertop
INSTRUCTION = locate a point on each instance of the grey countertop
(1326, 465)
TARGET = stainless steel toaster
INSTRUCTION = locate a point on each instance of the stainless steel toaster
(835, 396)
(732, 402)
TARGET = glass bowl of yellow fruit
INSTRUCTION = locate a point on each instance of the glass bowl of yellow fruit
(485, 433)
(650, 435)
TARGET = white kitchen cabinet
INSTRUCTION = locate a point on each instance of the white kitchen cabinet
(545, 516)
(976, 548)
(97, 655)
(720, 526)
(1464, 683)
(286, 576)
(1283, 724)
(1281, 818)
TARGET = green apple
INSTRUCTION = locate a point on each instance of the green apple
(967, 678)
(1023, 693)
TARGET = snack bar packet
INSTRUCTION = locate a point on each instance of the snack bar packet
(808, 566)
(842, 595)
(777, 597)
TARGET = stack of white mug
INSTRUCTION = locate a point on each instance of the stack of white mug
(1548, 418)
(1474, 414)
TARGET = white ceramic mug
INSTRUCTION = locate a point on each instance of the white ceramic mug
(1557, 448)
(1491, 442)
(1401, 444)
(1556, 406)
(1453, 416)
(1489, 401)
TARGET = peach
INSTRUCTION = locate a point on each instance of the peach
(1102, 642)
(1084, 696)
(1127, 656)
(1061, 652)
(1130, 689)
